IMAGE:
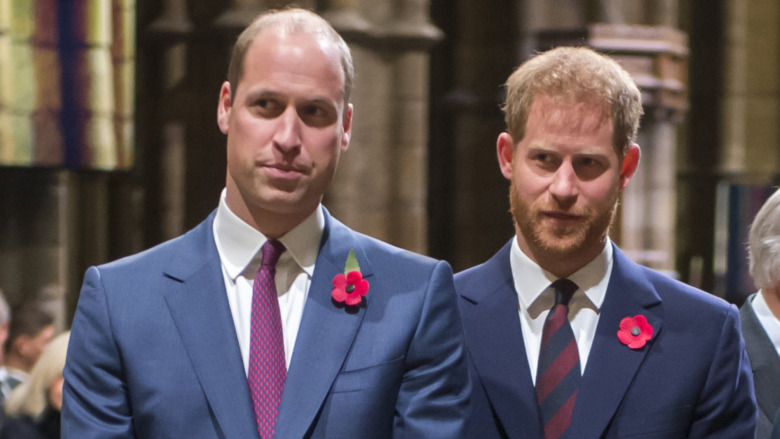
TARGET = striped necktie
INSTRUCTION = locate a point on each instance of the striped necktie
(558, 373)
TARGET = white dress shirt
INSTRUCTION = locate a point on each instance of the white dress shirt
(239, 245)
(767, 319)
(5, 387)
(536, 297)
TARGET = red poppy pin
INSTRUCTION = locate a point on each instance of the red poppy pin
(350, 287)
(635, 331)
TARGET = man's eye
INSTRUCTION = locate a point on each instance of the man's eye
(548, 161)
(588, 168)
(588, 162)
(267, 106)
(317, 115)
(314, 111)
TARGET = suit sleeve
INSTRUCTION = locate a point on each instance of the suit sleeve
(95, 397)
(727, 408)
(433, 400)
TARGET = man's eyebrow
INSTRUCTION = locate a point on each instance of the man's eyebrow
(261, 92)
(318, 98)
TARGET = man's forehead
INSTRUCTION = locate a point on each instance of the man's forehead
(279, 34)
(574, 115)
(276, 43)
(565, 102)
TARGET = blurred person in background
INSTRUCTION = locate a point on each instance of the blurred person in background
(760, 314)
(34, 407)
(5, 387)
(30, 331)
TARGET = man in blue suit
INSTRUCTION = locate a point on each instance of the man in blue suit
(169, 342)
(625, 351)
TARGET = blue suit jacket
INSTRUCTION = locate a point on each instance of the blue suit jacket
(153, 350)
(691, 380)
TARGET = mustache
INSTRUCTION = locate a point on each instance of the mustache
(547, 209)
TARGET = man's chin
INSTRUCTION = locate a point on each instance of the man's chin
(559, 245)
(559, 251)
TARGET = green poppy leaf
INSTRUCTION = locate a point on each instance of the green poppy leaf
(352, 263)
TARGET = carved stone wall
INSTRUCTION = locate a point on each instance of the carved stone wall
(731, 132)
(750, 110)
(469, 206)
(381, 186)
(421, 171)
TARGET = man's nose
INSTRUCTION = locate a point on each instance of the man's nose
(288, 130)
(564, 183)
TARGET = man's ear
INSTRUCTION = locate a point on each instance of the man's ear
(224, 107)
(346, 126)
(20, 344)
(505, 148)
(3, 336)
(630, 165)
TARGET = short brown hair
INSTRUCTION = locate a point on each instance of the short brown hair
(575, 74)
(28, 319)
(290, 20)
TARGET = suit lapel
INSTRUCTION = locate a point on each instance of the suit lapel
(325, 335)
(198, 305)
(495, 342)
(612, 365)
(763, 360)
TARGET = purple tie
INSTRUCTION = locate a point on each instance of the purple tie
(558, 374)
(267, 369)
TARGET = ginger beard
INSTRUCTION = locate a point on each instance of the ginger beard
(544, 238)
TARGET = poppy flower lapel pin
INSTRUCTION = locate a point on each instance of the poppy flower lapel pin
(350, 287)
(634, 331)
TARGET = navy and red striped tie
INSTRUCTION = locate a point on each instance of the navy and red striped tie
(558, 372)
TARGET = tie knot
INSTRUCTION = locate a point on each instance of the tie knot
(564, 289)
(272, 250)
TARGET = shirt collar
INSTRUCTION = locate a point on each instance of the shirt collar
(238, 243)
(768, 320)
(531, 280)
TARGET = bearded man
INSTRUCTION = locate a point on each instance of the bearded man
(566, 336)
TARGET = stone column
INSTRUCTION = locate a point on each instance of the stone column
(170, 32)
(89, 87)
(748, 163)
(30, 86)
(33, 225)
(34, 238)
(381, 186)
(123, 59)
(469, 205)
(751, 104)
(6, 75)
